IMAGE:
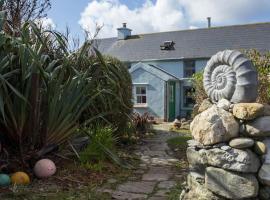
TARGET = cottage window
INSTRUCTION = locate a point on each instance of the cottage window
(189, 68)
(140, 94)
(188, 100)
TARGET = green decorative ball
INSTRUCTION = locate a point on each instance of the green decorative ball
(4, 180)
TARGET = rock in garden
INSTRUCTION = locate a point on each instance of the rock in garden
(248, 111)
(177, 123)
(198, 190)
(206, 103)
(264, 174)
(259, 148)
(258, 127)
(214, 125)
(224, 104)
(230, 184)
(266, 110)
(196, 144)
(196, 161)
(266, 156)
(241, 143)
(264, 193)
(227, 158)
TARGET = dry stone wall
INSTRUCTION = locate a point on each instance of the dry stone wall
(229, 156)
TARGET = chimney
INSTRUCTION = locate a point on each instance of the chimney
(123, 32)
(209, 22)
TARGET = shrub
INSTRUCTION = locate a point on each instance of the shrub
(262, 64)
(43, 92)
(94, 151)
(141, 122)
(116, 100)
(199, 93)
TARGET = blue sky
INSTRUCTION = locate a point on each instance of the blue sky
(145, 16)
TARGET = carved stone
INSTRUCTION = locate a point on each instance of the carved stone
(230, 75)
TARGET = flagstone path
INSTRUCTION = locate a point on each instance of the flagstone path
(157, 174)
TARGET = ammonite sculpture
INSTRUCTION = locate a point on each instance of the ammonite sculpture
(230, 75)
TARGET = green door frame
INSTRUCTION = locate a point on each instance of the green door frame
(171, 100)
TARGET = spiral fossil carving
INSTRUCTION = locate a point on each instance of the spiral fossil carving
(230, 75)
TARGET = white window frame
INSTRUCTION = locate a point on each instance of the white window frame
(140, 85)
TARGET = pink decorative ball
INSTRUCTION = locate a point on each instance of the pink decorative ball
(44, 168)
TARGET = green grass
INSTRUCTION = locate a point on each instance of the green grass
(179, 141)
(175, 192)
(176, 130)
(86, 194)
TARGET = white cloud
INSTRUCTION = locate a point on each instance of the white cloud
(46, 23)
(167, 15)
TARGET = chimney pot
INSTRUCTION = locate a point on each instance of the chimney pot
(209, 22)
(123, 32)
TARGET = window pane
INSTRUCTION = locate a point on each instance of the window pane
(188, 100)
(143, 99)
(189, 68)
(139, 99)
(143, 90)
(138, 90)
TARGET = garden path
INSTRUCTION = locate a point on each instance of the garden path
(158, 173)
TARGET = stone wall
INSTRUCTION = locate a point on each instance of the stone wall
(229, 157)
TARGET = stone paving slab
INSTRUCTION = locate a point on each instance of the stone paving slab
(144, 187)
(167, 184)
(155, 175)
(128, 196)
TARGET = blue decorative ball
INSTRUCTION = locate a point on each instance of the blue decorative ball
(4, 180)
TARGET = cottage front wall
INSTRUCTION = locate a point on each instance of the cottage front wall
(155, 90)
(172, 67)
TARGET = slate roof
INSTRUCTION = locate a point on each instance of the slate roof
(196, 43)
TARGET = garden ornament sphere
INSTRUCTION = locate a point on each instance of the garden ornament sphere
(44, 168)
(4, 180)
(230, 75)
(20, 178)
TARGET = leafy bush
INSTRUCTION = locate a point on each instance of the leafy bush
(43, 91)
(141, 122)
(199, 93)
(116, 103)
(262, 64)
(94, 151)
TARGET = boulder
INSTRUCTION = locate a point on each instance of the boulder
(266, 156)
(258, 127)
(259, 148)
(185, 125)
(248, 111)
(196, 162)
(177, 123)
(264, 193)
(266, 110)
(213, 126)
(264, 174)
(224, 104)
(241, 143)
(198, 190)
(206, 103)
(231, 185)
(244, 161)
